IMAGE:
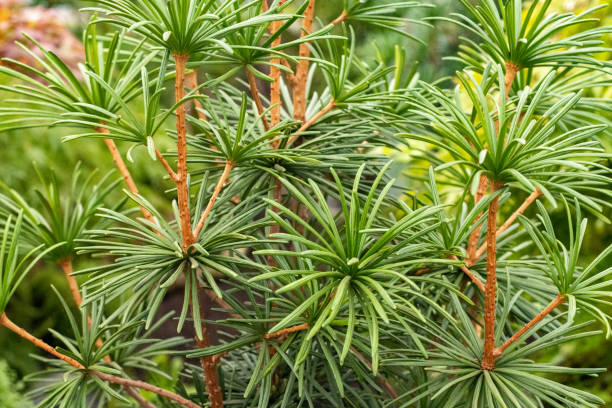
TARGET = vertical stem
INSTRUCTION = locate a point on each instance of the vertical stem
(301, 73)
(209, 366)
(528, 201)
(275, 74)
(255, 94)
(208, 363)
(483, 184)
(66, 265)
(181, 145)
(488, 359)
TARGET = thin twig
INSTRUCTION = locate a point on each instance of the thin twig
(331, 105)
(470, 275)
(340, 18)
(211, 202)
(66, 265)
(287, 331)
(275, 74)
(255, 94)
(166, 165)
(528, 201)
(557, 301)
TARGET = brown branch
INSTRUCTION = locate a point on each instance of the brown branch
(166, 165)
(125, 173)
(182, 188)
(528, 201)
(286, 331)
(226, 170)
(255, 94)
(301, 72)
(470, 274)
(340, 18)
(208, 363)
(511, 70)
(275, 74)
(66, 265)
(331, 105)
(483, 184)
(209, 366)
(147, 387)
(557, 301)
(488, 359)
(6, 322)
(192, 83)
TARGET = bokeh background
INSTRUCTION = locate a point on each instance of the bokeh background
(58, 25)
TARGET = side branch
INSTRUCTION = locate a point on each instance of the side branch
(211, 202)
(340, 18)
(6, 322)
(255, 94)
(286, 331)
(557, 301)
(166, 165)
(469, 274)
(528, 201)
(331, 105)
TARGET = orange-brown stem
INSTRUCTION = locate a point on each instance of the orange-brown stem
(275, 74)
(470, 275)
(147, 387)
(488, 359)
(211, 202)
(192, 83)
(166, 165)
(483, 184)
(301, 72)
(125, 173)
(340, 18)
(287, 331)
(182, 188)
(6, 322)
(255, 94)
(528, 201)
(208, 363)
(331, 105)
(557, 301)
(511, 70)
(66, 265)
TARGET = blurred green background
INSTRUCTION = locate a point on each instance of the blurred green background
(57, 24)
